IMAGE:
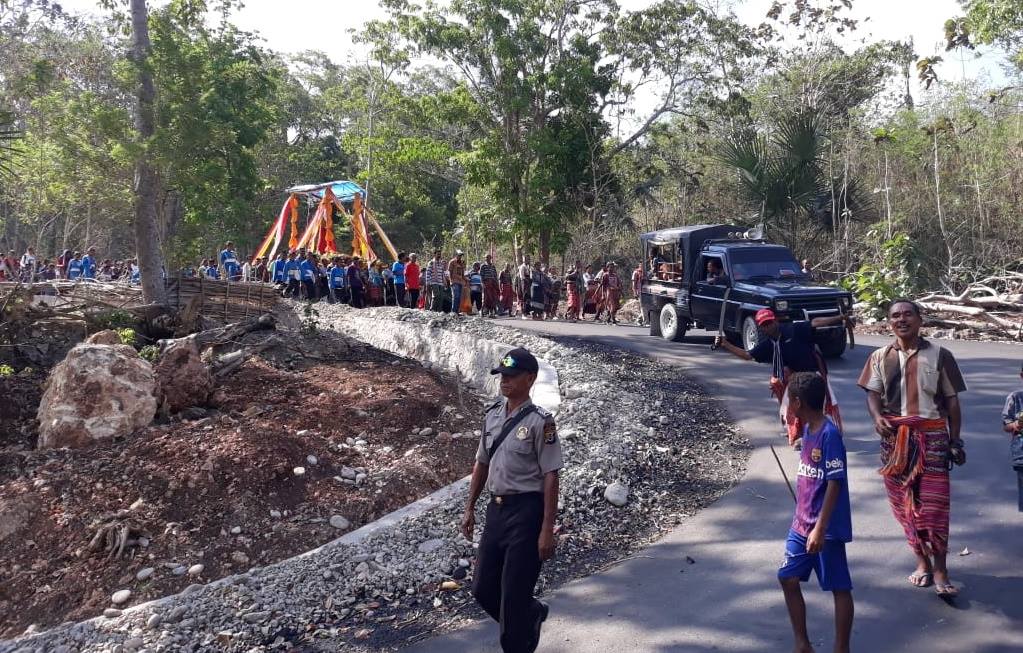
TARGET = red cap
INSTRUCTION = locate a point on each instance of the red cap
(765, 315)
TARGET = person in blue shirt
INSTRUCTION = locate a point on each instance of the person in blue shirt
(308, 268)
(476, 287)
(136, 273)
(229, 261)
(89, 265)
(337, 279)
(277, 275)
(822, 523)
(293, 275)
(1012, 423)
(74, 267)
(398, 271)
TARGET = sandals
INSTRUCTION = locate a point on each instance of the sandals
(917, 579)
(946, 590)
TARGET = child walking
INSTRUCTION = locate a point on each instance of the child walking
(823, 522)
(1012, 422)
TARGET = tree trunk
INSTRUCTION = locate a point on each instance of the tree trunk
(147, 242)
(545, 245)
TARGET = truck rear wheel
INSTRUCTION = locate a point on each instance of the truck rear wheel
(654, 321)
(672, 325)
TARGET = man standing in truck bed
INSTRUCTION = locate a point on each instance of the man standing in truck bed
(789, 347)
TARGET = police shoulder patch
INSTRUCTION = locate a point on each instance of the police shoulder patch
(542, 412)
(550, 432)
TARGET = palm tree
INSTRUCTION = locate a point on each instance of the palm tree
(9, 135)
(786, 177)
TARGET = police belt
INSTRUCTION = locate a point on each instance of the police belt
(513, 499)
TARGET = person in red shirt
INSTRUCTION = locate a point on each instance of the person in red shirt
(412, 287)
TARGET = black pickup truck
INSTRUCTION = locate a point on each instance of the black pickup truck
(747, 275)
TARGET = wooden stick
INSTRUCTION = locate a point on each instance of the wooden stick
(783, 474)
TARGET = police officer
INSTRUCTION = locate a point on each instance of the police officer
(518, 460)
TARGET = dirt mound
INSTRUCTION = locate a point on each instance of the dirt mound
(225, 491)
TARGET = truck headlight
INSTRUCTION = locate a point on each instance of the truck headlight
(781, 305)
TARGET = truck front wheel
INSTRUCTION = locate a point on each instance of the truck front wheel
(673, 325)
(750, 334)
(833, 347)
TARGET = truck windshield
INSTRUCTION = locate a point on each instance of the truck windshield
(773, 263)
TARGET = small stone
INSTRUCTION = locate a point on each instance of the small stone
(460, 573)
(111, 613)
(437, 602)
(299, 471)
(276, 514)
(302, 433)
(133, 644)
(426, 432)
(256, 617)
(339, 522)
(463, 562)
(429, 546)
(239, 558)
(144, 573)
(662, 420)
(195, 570)
(154, 621)
(348, 473)
(312, 460)
(360, 478)
(237, 530)
(179, 570)
(120, 596)
(617, 494)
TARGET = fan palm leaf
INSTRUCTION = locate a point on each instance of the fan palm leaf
(9, 136)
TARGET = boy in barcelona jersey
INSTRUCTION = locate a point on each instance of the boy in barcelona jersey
(822, 523)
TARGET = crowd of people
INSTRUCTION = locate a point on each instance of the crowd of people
(69, 265)
(531, 290)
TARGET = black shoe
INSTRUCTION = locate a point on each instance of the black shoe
(544, 611)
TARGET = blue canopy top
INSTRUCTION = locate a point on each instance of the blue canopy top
(344, 191)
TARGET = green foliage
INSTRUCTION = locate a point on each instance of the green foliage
(9, 135)
(127, 336)
(6, 370)
(875, 284)
(997, 22)
(150, 353)
(115, 320)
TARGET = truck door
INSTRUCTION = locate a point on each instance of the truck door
(709, 291)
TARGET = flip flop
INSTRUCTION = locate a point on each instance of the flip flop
(946, 590)
(920, 580)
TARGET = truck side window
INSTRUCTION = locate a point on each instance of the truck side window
(714, 271)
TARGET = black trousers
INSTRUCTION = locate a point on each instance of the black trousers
(413, 297)
(507, 567)
(399, 294)
(358, 301)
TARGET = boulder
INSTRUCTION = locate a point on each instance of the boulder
(97, 392)
(182, 380)
(617, 494)
(105, 337)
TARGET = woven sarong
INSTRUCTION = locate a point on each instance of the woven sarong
(491, 292)
(915, 470)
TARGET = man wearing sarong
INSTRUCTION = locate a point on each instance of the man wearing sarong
(507, 290)
(553, 289)
(611, 292)
(537, 295)
(789, 348)
(491, 289)
(598, 293)
(913, 391)
(572, 290)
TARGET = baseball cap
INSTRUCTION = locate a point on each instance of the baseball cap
(765, 315)
(517, 361)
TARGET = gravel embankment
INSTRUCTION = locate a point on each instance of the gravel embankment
(627, 422)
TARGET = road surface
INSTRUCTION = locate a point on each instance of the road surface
(729, 600)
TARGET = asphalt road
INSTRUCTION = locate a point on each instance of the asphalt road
(729, 600)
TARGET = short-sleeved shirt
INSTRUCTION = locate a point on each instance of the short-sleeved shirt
(456, 271)
(74, 269)
(488, 272)
(822, 459)
(795, 349)
(88, 267)
(412, 276)
(398, 270)
(435, 272)
(354, 277)
(1013, 410)
(336, 276)
(278, 269)
(308, 270)
(913, 383)
(530, 451)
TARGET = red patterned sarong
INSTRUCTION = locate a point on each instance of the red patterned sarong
(573, 307)
(915, 471)
(491, 291)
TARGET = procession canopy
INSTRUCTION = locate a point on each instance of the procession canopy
(318, 235)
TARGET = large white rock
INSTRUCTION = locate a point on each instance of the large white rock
(96, 393)
(617, 494)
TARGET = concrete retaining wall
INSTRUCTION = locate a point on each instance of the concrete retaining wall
(460, 353)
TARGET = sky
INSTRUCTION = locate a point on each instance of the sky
(295, 25)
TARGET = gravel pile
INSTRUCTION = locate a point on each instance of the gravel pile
(644, 448)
